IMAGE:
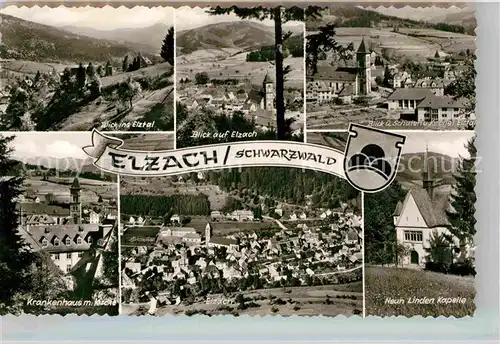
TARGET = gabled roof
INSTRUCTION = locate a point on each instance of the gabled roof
(223, 241)
(437, 102)
(410, 94)
(433, 211)
(398, 209)
(333, 74)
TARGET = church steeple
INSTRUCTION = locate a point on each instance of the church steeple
(75, 207)
(363, 62)
(427, 181)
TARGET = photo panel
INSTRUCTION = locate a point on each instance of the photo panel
(59, 228)
(80, 68)
(391, 68)
(419, 232)
(234, 82)
(242, 241)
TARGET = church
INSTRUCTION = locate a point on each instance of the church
(59, 232)
(422, 215)
(343, 82)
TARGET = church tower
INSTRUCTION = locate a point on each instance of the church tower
(364, 71)
(208, 233)
(268, 85)
(75, 206)
(427, 182)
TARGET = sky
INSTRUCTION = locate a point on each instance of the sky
(451, 143)
(52, 145)
(190, 18)
(105, 18)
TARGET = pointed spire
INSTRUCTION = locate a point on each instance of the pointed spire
(362, 47)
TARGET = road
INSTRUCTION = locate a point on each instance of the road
(278, 222)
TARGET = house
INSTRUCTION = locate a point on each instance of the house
(401, 79)
(435, 108)
(422, 215)
(241, 215)
(175, 218)
(435, 85)
(406, 100)
(352, 80)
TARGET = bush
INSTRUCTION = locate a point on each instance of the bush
(462, 269)
(360, 101)
(338, 101)
(437, 267)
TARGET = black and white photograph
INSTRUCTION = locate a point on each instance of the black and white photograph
(227, 65)
(419, 232)
(249, 241)
(394, 67)
(59, 229)
(80, 68)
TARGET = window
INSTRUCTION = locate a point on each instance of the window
(414, 236)
(80, 254)
(79, 241)
(400, 103)
(56, 256)
(89, 240)
(445, 109)
(435, 114)
(45, 243)
(68, 255)
(68, 241)
(68, 268)
(444, 115)
(56, 242)
(406, 103)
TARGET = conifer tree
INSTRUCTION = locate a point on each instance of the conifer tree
(15, 259)
(167, 48)
(464, 197)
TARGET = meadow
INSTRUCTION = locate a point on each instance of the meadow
(382, 283)
(236, 67)
(91, 189)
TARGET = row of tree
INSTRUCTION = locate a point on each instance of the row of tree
(159, 206)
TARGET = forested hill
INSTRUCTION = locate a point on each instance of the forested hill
(349, 16)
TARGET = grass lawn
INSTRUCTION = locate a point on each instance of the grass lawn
(396, 283)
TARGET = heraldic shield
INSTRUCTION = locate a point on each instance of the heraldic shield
(372, 157)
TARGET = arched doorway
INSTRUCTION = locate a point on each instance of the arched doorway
(414, 257)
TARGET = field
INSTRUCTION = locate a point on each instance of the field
(302, 301)
(157, 187)
(149, 142)
(151, 72)
(236, 67)
(416, 44)
(91, 189)
(22, 67)
(325, 140)
(228, 227)
(143, 109)
(382, 283)
(339, 116)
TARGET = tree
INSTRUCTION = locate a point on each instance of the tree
(167, 49)
(280, 15)
(18, 106)
(320, 43)
(463, 199)
(436, 55)
(108, 70)
(81, 77)
(125, 65)
(464, 85)
(15, 258)
(128, 90)
(439, 250)
(91, 73)
(201, 78)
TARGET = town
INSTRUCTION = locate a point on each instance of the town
(253, 258)
(391, 73)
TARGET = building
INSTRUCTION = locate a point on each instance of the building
(185, 234)
(241, 215)
(422, 214)
(60, 233)
(211, 241)
(354, 80)
(421, 104)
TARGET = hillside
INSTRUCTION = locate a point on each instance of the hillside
(454, 15)
(349, 16)
(25, 40)
(441, 166)
(241, 35)
(148, 39)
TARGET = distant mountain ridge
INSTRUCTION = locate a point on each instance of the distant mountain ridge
(454, 15)
(149, 39)
(26, 40)
(441, 166)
